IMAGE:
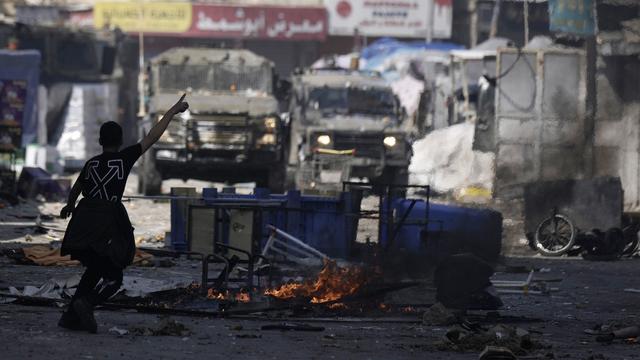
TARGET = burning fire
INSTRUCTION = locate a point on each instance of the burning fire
(239, 297)
(333, 283)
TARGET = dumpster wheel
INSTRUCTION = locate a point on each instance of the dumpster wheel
(555, 235)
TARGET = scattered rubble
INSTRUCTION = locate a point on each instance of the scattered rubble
(608, 333)
(166, 327)
(47, 255)
(438, 315)
(496, 353)
(120, 332)
(64, 288)
(516, 340)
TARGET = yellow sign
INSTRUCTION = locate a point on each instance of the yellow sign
(146, 17)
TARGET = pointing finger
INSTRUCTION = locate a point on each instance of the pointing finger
(183, 96)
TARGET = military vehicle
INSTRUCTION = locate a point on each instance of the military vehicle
(345, 124)
(232, 131)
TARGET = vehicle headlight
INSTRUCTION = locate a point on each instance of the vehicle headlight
(167, 154)
(390, 141)
(267, 139)
(324, 140)
(270, 123)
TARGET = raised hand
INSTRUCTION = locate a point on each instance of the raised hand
(181, 105)
(157, 130)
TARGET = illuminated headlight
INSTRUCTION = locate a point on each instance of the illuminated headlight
(167, 154)
(390, 141)
(324, 140)
(270, 123)
(267, 139)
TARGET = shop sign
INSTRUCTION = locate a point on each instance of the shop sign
(154, 17)
(396, 18)
(572, 17)
(268, 22)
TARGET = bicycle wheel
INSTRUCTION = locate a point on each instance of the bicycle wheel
(555, 236)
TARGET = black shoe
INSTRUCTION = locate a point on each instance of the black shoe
(84, 310)
(70, 320)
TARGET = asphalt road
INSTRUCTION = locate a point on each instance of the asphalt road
(589, 293)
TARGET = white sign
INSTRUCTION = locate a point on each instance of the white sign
(397, 18)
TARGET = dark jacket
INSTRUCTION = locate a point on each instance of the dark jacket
(102, 227)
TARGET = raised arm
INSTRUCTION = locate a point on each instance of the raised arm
(159, 128)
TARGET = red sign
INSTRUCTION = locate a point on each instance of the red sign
(80, 18)
(253, 22)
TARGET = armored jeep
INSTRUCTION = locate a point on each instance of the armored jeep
(345, 124)
(232, 131)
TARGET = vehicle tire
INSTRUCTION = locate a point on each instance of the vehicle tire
(555, 235)
(149, 178)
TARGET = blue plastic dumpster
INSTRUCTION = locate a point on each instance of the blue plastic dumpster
(449, 230)
(329, 224)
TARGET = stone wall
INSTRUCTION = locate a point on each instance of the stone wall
(540, 118)
(617, 128)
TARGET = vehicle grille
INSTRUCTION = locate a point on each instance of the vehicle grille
(366, 145)
(231, 132)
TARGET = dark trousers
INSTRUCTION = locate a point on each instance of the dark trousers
(98, 268)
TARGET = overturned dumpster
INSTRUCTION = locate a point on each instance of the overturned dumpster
(325, 223)
(434, 231)
(420, 229)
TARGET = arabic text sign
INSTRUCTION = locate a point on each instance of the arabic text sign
(572, 16)
(281, 23)
(400, 18)
(151, 17)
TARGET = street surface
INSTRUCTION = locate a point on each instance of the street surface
(589, 294)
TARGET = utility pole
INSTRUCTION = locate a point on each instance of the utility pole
(430, 17)
(494, 18)
(472, 10)
(525, 3)
(141, 107)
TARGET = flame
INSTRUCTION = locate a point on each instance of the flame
(338, 306)
(239, 297)
(243, 297)
(333, 283)
(216, 295)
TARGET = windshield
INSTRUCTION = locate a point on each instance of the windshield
(215, 77)
(352, 100)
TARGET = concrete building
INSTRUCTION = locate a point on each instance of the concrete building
(617, 116)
